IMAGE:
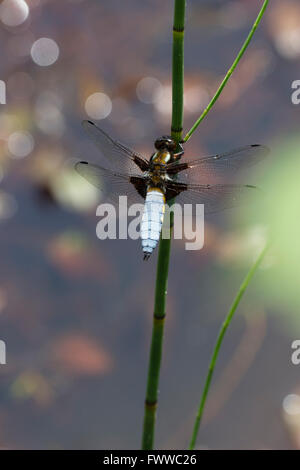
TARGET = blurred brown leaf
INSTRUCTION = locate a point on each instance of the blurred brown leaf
(81, 355)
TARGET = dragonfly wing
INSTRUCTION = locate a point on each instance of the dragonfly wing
(117, 154)
(215, 167)
(113, 184)
(215, 198)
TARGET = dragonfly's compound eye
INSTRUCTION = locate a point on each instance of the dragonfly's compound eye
(165, 143)
(160, 143)
(171, 145)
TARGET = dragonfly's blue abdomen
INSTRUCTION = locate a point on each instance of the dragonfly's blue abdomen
(152, 220)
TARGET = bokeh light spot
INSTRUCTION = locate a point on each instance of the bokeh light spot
(98, 105)
(195, 99)
(291, 404)
(164, 104)
(288, 43)
(20, 144)
(44, 52)
(48, 115)
(13, 12)
(149, 90)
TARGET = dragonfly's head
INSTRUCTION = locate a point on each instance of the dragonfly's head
(165, 143)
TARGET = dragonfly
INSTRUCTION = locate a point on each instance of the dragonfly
(165, 176)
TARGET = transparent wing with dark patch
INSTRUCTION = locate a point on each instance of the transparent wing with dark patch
(116, 154)
(215, 198)
(215, 168)
(114, 184)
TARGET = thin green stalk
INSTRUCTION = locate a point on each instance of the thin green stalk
(218, 344)
(229, 73)
(178, 69)
(165, 244)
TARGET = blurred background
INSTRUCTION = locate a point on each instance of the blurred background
(76, 312)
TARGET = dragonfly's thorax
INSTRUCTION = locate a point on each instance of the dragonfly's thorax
(161, 157)
(157, 168)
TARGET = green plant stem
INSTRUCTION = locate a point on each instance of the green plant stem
(218, 344)
(229, 73)
(178, 69)
(164, 244)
